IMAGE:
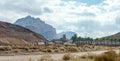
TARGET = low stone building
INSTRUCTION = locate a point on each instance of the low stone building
(62, 40)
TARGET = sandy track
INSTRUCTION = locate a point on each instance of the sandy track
(36, 57)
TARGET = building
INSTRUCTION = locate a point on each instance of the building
(62, 40)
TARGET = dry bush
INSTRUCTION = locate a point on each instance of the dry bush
(49, 50)
(107, 56)
(5, 48)
(76, 58)
(35, 50)
(89, 56)
(62, 49)
(30, 59)
(56, 50)
(67, 56)
(25, 48)
(71, 49)
(117, 59)
(46, 58)
(103, 57)
(17, 51)
(50, 47)
(44, 50)
(82, 59)
(34, 47)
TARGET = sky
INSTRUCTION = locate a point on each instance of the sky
(93, 18)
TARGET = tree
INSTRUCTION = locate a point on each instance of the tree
(79, 39)
(74, 38)
(111, 39)
(119, 40)
(97, 39)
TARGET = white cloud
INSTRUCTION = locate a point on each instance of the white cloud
(66, 15)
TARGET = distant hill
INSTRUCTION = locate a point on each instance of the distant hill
(115, 36)
(68, 34)
(38, 26)
(11, 34)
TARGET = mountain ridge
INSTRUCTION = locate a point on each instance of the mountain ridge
(114, 36)
(38, 26)
(11, 34)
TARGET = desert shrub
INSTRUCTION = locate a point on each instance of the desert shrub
(107, 56)
(34, 47)
(30, 59)
(54, 47)
(17, 51)
(8, 48)
(49, 50)
(83, 56)
(67, 57)
(44, 50)
(5, 48)
(117, 59)
(111, 53)
(103, 57)
(76, 58)
(89, 56)
(50, 47)
(56, 50)
(62, 49)
(46, 58)
(72, 49)
(36, 50)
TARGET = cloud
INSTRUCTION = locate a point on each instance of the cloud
(97, 18)
(89, 14)
(28, 6)
(88, 2)
(117, 20)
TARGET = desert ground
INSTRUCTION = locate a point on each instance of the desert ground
(54, 56)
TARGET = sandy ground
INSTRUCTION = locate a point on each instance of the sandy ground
(36, 57)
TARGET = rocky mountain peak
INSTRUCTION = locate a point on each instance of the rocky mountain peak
(38, 26)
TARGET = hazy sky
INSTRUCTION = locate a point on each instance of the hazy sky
(96, 18)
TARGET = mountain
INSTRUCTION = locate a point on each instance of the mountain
(38, 26)
(68, 34)
(11, 34)
(115, 36)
